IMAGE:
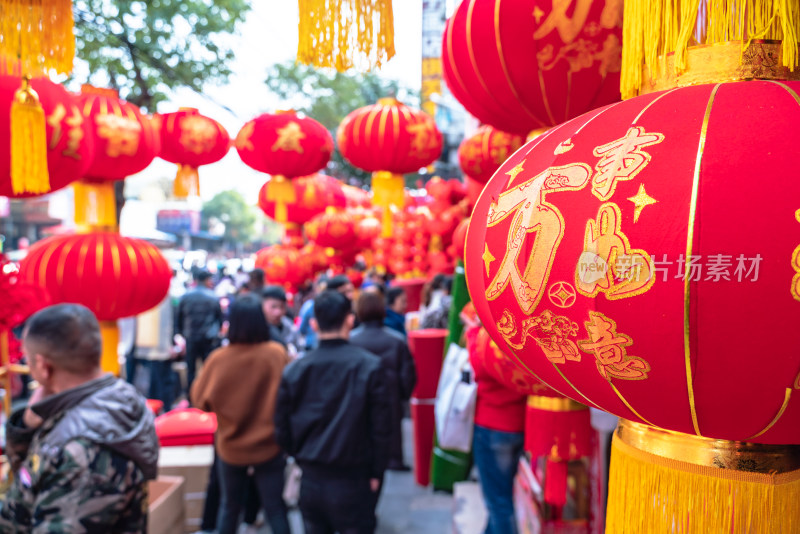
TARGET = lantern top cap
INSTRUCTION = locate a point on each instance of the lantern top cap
(88, 89)
(191, 110)
(285, 112)
(389, 101)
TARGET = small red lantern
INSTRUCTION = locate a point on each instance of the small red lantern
(70, 147)
(312, 195)
(460, 239)
(532, 64)
(283, 266)
(285, 146)
(190, 140)
(480, 155)
(113, 276)
(333, 229)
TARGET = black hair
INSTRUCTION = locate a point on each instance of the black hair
(331, 309)
(202, 276)
(274, 292)
(248, 325)
(338, 281)
(392, 294)
(257, 278)
(68, 335)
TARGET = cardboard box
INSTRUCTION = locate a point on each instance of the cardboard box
(193, 464)
(165, 510)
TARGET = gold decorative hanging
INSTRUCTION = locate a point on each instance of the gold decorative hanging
(345, 33)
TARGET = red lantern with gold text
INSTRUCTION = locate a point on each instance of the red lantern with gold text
(113, 276)
(190, 140)
(389, 139)
(285, 146)
(312, 195)
(70, 147)
(480, 155)
(125, 142)
(532, 64)
(333, 229)
(610, 257)
(284, 266)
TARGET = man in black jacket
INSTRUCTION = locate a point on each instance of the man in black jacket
(401, 373)
(333, 415)
(198, 319)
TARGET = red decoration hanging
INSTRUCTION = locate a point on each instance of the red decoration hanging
(333, 229)
(283, 266)
(480, 155)
(312, 195)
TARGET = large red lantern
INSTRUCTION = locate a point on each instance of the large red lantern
(312, 195)
(333, 229)
(389, 139)
(190, 140)
(480, 155)
(70, 147)
(532, 64)
(577, 259)
(113, 276)
(284, 266)
(286, 146)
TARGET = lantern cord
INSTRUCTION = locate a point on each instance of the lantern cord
(28, 143)
(654, 28)
(345, 33)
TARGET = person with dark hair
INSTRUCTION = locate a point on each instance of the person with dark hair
(437, 303)
(281, 327)
(198, 320)
(343, 285)
(239, 383)
(85, 447)
(401, 373)
(256, 282)
(334, 417)
(307, 333)
(396, 306)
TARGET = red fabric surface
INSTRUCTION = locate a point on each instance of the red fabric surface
(424, 424)
(389, 136)
(284, 144)
(189, 138)
(112, 275)
(427, 348)
(70, 147)
(562, 435)
(186, 427)
(125, 140)
(480, 155)
(313, 194)
(460, 238)
(413, 287)
(747, 183)
(555, 483)
(530, 64)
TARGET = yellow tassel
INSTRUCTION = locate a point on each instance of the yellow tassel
(388, 191)
(109, 359)
(37, 36)
(654, 28)
(654, 494)
(187, 182)
(345, 33)
(95, 206)
(28, 143)
(281, 192)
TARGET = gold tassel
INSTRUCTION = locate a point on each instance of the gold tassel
(37, 36)
(109, 359)
(95, 206)
(700, 485)
(652, 29)
(28, 142)
(281, 191)
(388, 191)
(187, 182)
(345, 33)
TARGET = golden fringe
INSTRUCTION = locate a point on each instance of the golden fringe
(388, 190)
(36, 36)
(345, 33)
(652, 494)
(28, 143)
(654, 28)
(109, 358)
(187, 182)
(95, 206)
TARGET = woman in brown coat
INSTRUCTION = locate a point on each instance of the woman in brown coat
(239, 383)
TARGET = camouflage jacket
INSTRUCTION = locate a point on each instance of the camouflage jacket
(85, 469)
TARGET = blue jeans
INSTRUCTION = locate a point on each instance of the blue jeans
(269, 482)
(163, 383)
(497, 456)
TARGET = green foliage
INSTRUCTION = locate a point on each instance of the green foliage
(328, 96)
(231, 209)
(144, 48)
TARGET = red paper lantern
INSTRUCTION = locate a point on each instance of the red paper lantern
(531, 64)
(316, 255)
(190, 140)
(312, 195)
(70, 147)
(577, 260)
(283, 266)
(367, 229)
(460, 239)
(333, 229)
(125, 140)
(480, 155)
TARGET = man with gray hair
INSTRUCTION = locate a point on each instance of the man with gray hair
(85, 447)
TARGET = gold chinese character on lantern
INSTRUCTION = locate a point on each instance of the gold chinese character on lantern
(289, 138)
(198, 134)
(622, 159)
(121, 134)
(421, 133)
(74, 129)
(609, 347)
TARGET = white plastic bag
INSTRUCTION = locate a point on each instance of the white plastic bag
(455, 401)
(291, 486)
